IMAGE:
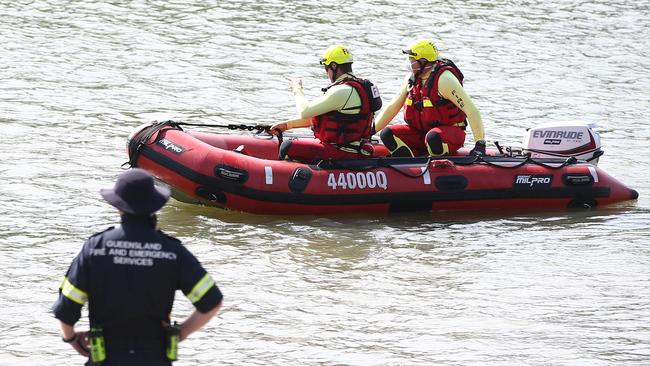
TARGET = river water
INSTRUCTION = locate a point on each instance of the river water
(565, 288)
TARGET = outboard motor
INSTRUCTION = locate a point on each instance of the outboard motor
(563, 140)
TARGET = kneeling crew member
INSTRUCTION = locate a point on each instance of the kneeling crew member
(129, 275)
(342, 118)
(436, 108)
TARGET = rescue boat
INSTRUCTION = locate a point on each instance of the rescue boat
(556, 169)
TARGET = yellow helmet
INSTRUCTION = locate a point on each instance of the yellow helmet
(422, 49)
(337, 53)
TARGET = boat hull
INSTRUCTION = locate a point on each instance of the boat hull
(242, 173)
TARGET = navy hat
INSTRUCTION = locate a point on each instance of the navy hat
(135, 193)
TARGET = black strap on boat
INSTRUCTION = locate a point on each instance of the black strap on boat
(136, 145)
(496, 143)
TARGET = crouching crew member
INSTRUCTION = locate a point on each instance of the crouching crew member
(128, 275)
(436, 108)
(342, 118)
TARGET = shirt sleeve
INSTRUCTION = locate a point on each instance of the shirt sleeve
(450, 88)
(73, 292)
(336, 98)
(196, 283)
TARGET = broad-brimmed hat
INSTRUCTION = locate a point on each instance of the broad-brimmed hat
(135, 193)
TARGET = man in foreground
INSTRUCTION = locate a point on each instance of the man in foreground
(128, 275)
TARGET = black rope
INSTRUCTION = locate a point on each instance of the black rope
(528, 160)
(597, 152)
(424, 168)
(157, 127)
(569, 161)
(232, 126)
(381, 162)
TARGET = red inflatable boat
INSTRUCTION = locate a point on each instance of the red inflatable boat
(241, 172)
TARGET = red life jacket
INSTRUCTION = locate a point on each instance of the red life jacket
(340, 128)
(424, 109)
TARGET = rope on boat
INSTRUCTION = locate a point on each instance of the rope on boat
(231, 126)
(528, 160)
(385, 163)
(157, 127)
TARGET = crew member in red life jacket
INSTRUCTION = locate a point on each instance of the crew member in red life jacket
(341, 118)
(436, 108)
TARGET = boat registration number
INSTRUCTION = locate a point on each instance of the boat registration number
(358, 180)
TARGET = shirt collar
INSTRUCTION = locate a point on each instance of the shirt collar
(347, 75)
(139, 220)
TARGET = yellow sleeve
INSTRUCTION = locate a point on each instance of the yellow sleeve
(450, 88)
(391, 109)
(335, 99)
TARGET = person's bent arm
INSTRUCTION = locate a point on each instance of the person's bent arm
(197, 320)
(390, 111)
(450, 88)
(78, 340)
(67, 330)
(335, 99)
(287, 125)
(72, 297)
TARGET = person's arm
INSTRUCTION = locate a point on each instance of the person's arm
(197, 320)
(67, 330)
(450, 88)
(199, 287)
(299, 96)
(336, 98)
(72, 297)
(78, 340)
(390, 111)
(287, 125)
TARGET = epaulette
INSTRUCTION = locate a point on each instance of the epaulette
(101, 232)
(168, 236)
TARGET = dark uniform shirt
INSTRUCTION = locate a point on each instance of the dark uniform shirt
(129, 275)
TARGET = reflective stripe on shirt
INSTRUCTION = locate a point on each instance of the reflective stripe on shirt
(200, 288)
(68, 290)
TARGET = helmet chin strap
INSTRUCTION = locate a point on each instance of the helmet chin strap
(421, 70)
(334, 69)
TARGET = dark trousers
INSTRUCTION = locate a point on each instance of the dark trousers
(133, 351)
(137, 358)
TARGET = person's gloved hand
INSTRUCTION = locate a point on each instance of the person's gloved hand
(479, 148)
